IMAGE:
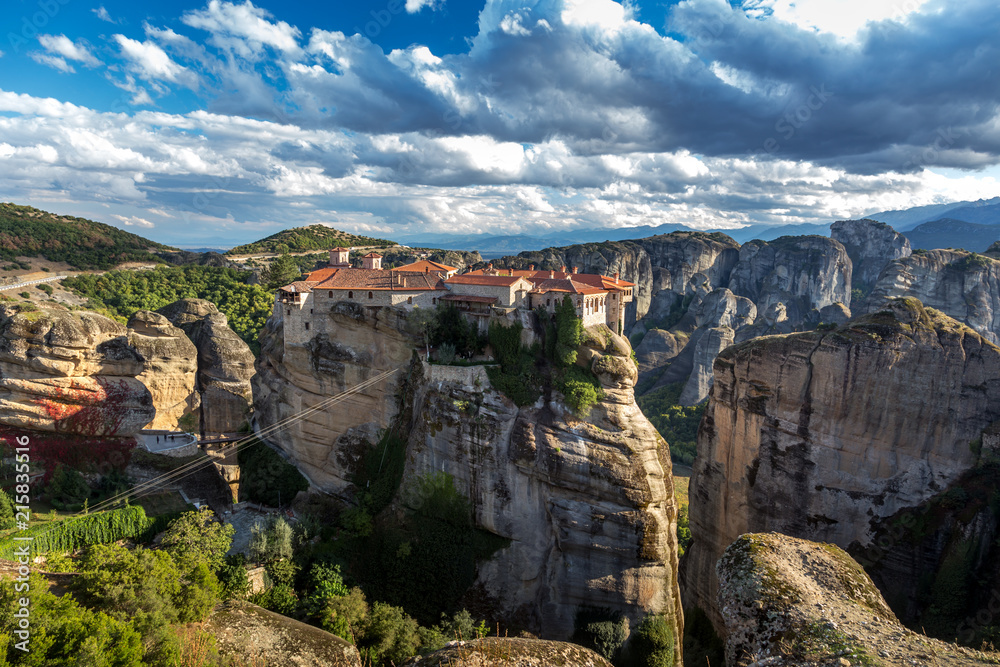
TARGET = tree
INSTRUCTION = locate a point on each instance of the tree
(390, 635)
(197, 536)
(280, 272)
(569, 332)
(67, 487)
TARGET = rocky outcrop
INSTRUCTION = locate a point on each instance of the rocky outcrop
(496, 651)
(326, 444)
(170, 368)
(870, 245)
(71, 373)
(821, 434)
(245, 632)
(586, 502)
(804, 273)
(788, 602)
(964, 285)
(994, 249)
(657, 349)
(225, 364)
(710, 343)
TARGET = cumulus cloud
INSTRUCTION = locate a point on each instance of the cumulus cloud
(414, 6)
(63, 46)
(150, 62)
(244, 28)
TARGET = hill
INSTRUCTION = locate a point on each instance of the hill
(83, 244)
(302, 239)
(983, 211)
(952, 233)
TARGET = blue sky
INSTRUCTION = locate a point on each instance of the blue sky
(196, 122)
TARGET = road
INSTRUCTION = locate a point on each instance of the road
(31, 282)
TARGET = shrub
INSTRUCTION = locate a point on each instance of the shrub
(652, 643)
(601, 629)
(446, 353)
(45, 288)
(196, 537)
(233, 580)
(580, 387)
(6, 511)
(24, 295)
(67, 488)
(77, 532)
(390, 635)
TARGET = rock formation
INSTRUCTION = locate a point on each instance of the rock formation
(170, 368)
(820, 434)
(657, 349)
(964, 285)
(71, 373)
(587, 502)
(870, 245)
(788, 602)
(994, 249)
(496, 651)
(245, 632)
(225, 364)
(326, 444)
(805, 273)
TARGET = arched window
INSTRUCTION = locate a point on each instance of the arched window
(350, 295)
(370, 295)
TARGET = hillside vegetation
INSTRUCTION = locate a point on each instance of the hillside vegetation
(302, 239)
(83, 244)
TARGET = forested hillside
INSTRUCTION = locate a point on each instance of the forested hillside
(302, 239)
(83, 244)
(121, 293)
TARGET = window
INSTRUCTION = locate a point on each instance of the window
(307, 326)
(310, 311)
(350, 295)
(329, 294)
(288, 311)
(434, 301)
(370, 295)
(409, 300)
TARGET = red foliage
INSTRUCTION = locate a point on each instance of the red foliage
(92, 408)
(80, 453)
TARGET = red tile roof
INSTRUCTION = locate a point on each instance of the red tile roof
(340, 249)
(381, 279)
(320, 275)
(373, 254)
(568, 285)
(536, 277)
(426, 264)
(479, 279)
(298, 286)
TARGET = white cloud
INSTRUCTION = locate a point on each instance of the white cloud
(844, 18)
(414, 6)
(150, 62)
(54, 62)
(63, 46)
(244, 28)
(103, 14)
(133, 221)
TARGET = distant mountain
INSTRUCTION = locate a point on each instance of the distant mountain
(492, 246)
(83, 244)
(301, 239)
(983, 211)
(951, 233)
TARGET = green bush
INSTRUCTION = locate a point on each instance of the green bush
(196, 537)
(652, 644)
(515, 377)
(683, 531)
(67, 488)
(601, 629)
(266, 477)
(24, 295)
(569, 332)
(580, 387)
(7, 513)
(45, 288)
(77, 532)
(234, 583)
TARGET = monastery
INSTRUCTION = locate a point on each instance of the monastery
(303, 305)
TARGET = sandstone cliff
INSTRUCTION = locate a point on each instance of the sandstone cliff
(964, 285)
(820, 434)
(225, 364)
(70, 373)
(170, 368)
(789, 602)
(805, 273)
(870, 245)
(587, 503)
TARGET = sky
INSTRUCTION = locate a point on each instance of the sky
(217, 123)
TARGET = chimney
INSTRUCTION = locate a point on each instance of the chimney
(575, 269)
(563, 269)
(531, 268)
(510, 272)
(616, 277)
(552, 274)
(427, 269)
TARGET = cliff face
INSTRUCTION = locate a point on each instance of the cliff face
(494, 651)
(170, 368)
(789, 602)
(805, 273)
(587, 504)
(71, 373)
(818, 435)
(292, 378)
(870, 245)
(963, 285)
(225, 364)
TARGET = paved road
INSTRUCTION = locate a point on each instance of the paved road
(31, 282)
